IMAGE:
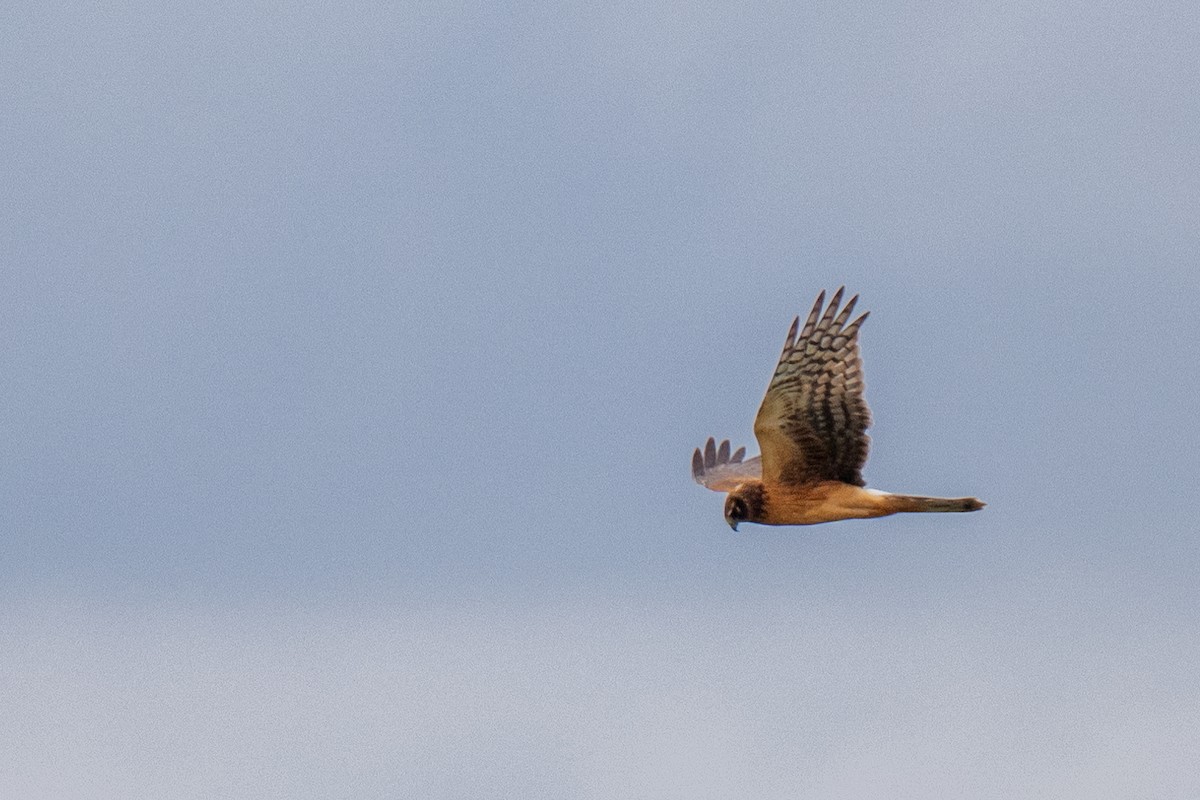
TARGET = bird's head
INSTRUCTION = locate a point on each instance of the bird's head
(744, 504)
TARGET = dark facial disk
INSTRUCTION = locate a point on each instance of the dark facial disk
(735, 511)
(746, 504)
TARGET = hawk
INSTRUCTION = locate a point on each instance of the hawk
(812, 430)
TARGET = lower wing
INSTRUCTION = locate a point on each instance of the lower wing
(718, 469)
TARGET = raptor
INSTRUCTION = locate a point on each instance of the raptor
(812, 430)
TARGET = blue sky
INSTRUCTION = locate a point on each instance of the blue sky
(354, 358)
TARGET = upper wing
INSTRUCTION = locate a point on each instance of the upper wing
(720, 471)
(813, 420)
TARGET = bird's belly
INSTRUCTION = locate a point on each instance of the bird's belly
(827, 502)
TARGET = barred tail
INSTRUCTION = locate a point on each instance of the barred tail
(905, 502)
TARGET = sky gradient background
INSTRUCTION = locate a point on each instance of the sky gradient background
(353, 359)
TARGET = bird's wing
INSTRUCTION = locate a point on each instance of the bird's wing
(813, 420)
(721, 471)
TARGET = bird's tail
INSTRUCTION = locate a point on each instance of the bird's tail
(908, 502)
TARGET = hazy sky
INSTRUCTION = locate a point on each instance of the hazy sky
(354, 354)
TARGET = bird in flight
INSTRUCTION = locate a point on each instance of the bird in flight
(812, 430)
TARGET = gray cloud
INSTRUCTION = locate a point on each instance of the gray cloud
(768, 696)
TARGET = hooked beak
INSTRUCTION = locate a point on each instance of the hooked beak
(732, 525)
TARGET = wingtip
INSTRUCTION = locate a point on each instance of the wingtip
(697, 464)
(830, 310)
(839, 324)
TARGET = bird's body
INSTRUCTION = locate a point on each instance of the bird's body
(812, 430)
(830, 501)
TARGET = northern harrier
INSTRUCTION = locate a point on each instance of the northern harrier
(812, 430)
